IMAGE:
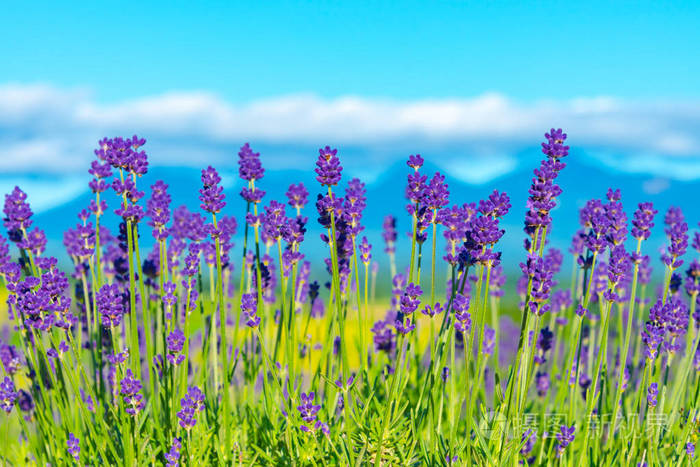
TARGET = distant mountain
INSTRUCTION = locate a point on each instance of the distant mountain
(582, 179)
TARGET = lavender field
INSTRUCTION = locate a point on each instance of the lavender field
(196, 351)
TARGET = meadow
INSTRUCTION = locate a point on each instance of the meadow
(201, 352)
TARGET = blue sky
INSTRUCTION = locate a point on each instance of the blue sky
(406, 50)
(470, 85)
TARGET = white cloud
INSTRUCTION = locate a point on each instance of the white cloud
(50, 129)
(656, 186)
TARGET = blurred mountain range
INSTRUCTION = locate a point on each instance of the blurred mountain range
(581, 180)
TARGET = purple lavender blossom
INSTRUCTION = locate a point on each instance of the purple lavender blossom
(463, 319)
(692, 282)
(298, 196)
(545, 341)
(652, 394)
(328, 168)
(354, 203)
(542, 383)
(445, 374)
(249, 166)
(415, 188)
(433, 310)
(130, 388)
(677, 233)
(158, 209)
(415, 161)
(617, 219)
(489, 340)
(73, 446)
(110, 305)
(308, 410)
(249, 305)
(10, 358)
(99, 172)
(404, 326)
(389, 234)
(190, 406)
(645, 269)
(543, 191)
(365, 251)
(528, 440)
(554, 148)
(274, 221)
(18, 214)
(8, 394)
(565, 437)
(211, 194)
(436, 195)
(409, 300)
(175, 342)
(498, 281)
(383, 337)
(536, 268)
(643, 221)
(173, 455)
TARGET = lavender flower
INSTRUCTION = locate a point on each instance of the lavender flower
(536, 268)
(211, 194)
(298, 196)
(543, 191)
(383, 337)
(415, 189)
(175, 342)
(8, 394)
(9, 358)
(409, 300)
(435, 196)
(677, 232)
(489, 340)
(529, 438)
(308, 410)
(190, 406)
(365, 251)
(74, 446)
(17, 214)
(130, 388)
(544, 343)
(433, 310)
(565, 437)
(274, 221)
(692, 282)
(643, 221)
(249, 305)
(404, 327)
(498, 281)
(354, 204)
(542, 383)
(173, 455)
(554, 148)
(652, 394)
(328, 168)
(389, 234)
(110, 305)
(463, 319)
(158, 209)
(445, 374)
(249, 166)
(617, 225)
(415, 161)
